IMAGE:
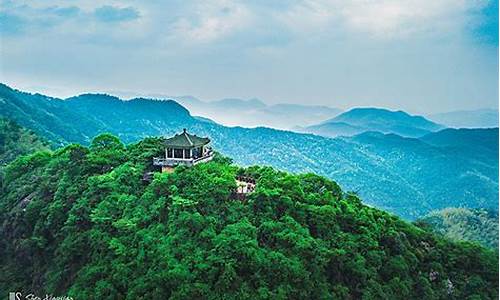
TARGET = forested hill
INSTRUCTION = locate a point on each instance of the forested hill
(475, 225)
(16, 141)
(82, 222)
(79, 119)
(391, 172)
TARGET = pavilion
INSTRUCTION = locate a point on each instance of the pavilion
(184, 149)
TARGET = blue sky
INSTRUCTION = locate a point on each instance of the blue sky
(418, 55)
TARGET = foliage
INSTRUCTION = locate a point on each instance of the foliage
(16, 141)
(391, 172)
(474, 225)
(82, 222)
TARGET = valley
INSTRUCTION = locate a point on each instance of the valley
(395, 173)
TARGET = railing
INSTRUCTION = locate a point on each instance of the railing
(157, 161)
(206, 158)
(170, 162)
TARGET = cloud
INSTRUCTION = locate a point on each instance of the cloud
(382, 18)
(67, 12)
(18, 18)
(403, 18)
(109, 13)
(265, 23)
(22, 19)
(487, 24)
(435, 51)
(211, 21)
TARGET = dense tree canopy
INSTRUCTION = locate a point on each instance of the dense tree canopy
(82, 222)
(391, 172)
(475, 225)
(16, 140)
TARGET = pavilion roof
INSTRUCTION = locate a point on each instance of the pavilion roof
(186, 140)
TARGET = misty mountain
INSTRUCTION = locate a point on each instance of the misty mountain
(254, 112)
(482, 118)
(474, 141)
(430, 175)
(359, 120)
(406, 176)
(333, 129)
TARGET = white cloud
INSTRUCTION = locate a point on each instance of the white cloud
(380, 18)
(400, 18)
(206, 22)
(296, 50)
(211, 21)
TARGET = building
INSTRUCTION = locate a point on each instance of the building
(184, 149)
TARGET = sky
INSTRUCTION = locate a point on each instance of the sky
(422, 56)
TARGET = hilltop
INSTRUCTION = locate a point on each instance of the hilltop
(359, 120)
(391, 172)
(81, 221)
(78, 119)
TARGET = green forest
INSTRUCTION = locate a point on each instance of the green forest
(82, 221)
(475, 225)
(388, 171)
(16, 140)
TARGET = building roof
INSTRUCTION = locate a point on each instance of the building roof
(186, 140)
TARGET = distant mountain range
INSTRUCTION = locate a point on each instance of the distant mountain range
(430, 175)
(406, 176)
(482, 118)
(359, 120)
(254, 112)
(78, 119)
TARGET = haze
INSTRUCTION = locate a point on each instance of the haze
(422, 56)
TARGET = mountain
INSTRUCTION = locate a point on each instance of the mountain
(360, 120)
(81, 222)
(480, 145)
(333, 129)
(391, 172)
(16, 141)
(425, 177)
(462, 224)
(475, 141)
(482, 118)
(254, 112)
(79, 119)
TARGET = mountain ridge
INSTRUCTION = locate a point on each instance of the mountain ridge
(254, 112)
(389, 171)
(358, 120)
